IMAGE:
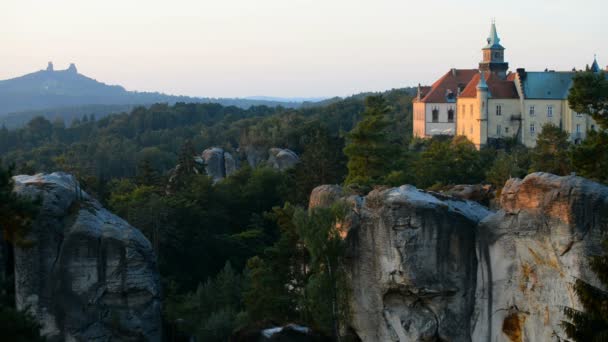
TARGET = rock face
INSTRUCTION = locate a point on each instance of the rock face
(218, 163)
(412, 266)
(89, 276)
(282, 159)
(531, 251)
(428, 267)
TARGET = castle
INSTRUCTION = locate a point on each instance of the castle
(490, 103)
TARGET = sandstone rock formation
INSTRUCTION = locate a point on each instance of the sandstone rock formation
(278, 158)
(428, 267)
(218, 163)
(89, 276)
(531, 251)
(282, 158)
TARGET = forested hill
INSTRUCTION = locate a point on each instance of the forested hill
(112, 146)
(59, 91)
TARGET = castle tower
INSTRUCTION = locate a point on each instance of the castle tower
(494, 55)
(482, 103)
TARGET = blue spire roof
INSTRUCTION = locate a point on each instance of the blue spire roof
(493, 40)
(595, 67)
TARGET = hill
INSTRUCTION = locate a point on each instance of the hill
(51, 93)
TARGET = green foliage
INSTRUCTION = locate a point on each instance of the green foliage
(590, 157)
(551, 153)
(209, 313)
(370, 152)
(321, 163)
(590, 323)
(589, 95)
(326, 288)
(513, 164)
(278, 278)
(447, 162)
(16, 213)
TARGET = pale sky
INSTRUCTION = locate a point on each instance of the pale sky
(299, 48)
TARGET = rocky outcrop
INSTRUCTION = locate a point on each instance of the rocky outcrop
(474, 192)
(279, 158)
(282, 158)
(412, 266)
(427, 267)
(531, 251)
(218, 163)
(89, 275)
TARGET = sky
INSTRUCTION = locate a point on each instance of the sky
(291, 48)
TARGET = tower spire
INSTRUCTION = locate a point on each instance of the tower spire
(493, 40)
(595, 67)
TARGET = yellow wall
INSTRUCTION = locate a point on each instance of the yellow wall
(509, 108)
(468, 123)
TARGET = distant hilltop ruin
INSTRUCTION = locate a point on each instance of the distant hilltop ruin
(71, 68)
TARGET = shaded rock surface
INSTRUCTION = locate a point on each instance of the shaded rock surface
(427, 267)
(282, 158)
(218, 163)
(89, 276)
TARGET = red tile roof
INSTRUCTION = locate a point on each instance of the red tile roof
(450, 81)
(498, 88)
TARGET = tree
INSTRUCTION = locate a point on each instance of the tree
(589, 95)
(321, 163)
(446, 162)
(508, 165)
(16, 213)
(319, 231)
(551, 153)
(15, 218)
(590, 157)
(369, 150)
(278, 277)
(591, 323)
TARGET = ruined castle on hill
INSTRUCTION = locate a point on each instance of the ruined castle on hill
(490, 103)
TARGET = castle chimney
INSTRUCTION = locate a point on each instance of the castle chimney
(49, 66)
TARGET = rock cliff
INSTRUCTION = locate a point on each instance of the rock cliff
(89, 276)
(428, 267)
(218, 163)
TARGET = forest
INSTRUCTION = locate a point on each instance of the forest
(247, 248)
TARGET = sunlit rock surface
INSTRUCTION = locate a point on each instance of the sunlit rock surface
(428, 267)
(89, 276)
(531, 251)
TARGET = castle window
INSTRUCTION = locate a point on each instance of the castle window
(506, 130)
(471, 129)
(451, 115)
(549, 111)
(435, 115)
(578, 128)
(532, 128)
(498, 110)
(498, 130)
(531, 110)
(471, 108)
(579, 115)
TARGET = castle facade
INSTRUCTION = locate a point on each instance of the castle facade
(490, 103)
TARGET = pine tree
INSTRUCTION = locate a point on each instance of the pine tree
(551, 153)
(369, 150)
(591, 323)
